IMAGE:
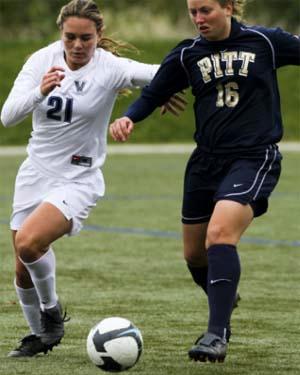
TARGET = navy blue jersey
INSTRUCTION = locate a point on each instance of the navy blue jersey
(237, 102)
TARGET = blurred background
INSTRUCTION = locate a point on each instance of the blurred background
(133, 18)
(154, 27)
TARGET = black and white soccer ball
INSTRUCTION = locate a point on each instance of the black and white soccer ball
(114, 344)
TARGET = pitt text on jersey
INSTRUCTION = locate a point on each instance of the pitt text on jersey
(227, 95)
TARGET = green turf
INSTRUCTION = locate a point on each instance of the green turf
(142, 277)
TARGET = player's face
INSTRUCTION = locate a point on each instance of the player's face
(211, 19)
(80, 39)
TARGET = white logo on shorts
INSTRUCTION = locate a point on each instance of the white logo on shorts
(219, 280)
(237, 185)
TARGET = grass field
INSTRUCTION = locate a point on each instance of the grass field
(127, 262)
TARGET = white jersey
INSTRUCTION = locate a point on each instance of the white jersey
(72, 119)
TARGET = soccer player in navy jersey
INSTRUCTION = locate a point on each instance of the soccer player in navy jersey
(231, 69)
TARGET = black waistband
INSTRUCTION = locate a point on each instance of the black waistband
(240, 152)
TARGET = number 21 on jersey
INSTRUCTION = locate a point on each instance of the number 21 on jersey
(59, 110)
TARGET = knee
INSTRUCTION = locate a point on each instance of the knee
(194, 244)
(26, 247)
(216, 234)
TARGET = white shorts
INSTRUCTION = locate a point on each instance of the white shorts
(74, 199)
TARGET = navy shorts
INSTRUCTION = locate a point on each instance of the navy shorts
(245, 178)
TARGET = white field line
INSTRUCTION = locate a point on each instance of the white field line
(144, 149)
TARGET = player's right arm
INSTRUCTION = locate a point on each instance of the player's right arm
(170, 79)
(30, 88)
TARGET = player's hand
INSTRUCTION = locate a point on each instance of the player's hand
(52, 79)
(175, 104)
(121, 128)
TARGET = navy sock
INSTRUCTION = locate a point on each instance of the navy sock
(199, 275)
(223, 277)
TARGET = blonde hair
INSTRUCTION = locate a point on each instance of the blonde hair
(238, 7)
(89, 9)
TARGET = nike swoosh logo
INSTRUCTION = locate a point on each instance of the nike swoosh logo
(219, 280)
(237, 185)
(128, 331)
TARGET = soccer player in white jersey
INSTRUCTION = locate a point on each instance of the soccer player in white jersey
(70, 88)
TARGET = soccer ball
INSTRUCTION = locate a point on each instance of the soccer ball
(114, 344)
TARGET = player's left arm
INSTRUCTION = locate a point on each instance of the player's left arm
(25, 94)
(286, 47)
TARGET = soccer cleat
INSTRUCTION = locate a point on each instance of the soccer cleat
(208, 347)
(29, 346)
(52, 322)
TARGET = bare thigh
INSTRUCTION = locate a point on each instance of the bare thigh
(42, 227)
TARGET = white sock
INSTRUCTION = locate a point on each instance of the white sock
(30, 305)
(42, 273)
